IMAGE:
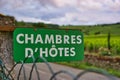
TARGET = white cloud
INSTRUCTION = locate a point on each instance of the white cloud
(63, 11)
(30, 19)
(65, 3)
(89, 5)
(87, 18)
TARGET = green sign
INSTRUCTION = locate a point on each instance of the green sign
(52, 44)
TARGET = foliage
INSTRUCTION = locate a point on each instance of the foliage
(40, 24)
(96, 29)
(95, 43)
(104, 36)
(36, 25)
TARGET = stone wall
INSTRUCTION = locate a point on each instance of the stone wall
(6, 48)
(7, 25)
(103, 61)
(7, 20)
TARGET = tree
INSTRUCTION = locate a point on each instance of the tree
(40, 25)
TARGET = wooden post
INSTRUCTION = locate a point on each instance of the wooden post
(108, 41)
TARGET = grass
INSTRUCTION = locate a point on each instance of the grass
(95, 37)
(97, 29)
(95, 41)
(85, 65)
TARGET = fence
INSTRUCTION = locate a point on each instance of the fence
(6, 74)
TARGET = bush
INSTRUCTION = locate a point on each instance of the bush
(104, 51)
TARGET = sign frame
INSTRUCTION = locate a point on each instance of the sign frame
(54, 45)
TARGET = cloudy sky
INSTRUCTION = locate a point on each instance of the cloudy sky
(76, 12)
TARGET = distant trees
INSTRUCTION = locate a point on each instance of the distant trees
(98, 32)
(37, 25)
(40, 24)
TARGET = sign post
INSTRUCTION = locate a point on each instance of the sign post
(53, 45)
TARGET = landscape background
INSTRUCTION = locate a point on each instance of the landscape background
(101, 45)
(98, 20)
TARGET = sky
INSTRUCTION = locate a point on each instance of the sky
(63, 12)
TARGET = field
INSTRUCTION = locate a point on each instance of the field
(96, 38)
(99, 44)
(96, 29)
(102, 41)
